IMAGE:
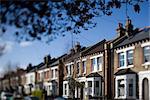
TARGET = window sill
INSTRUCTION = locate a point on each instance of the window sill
(53, 78)
(146, 65)
(125, 67)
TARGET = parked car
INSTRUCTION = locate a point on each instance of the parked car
(60, 98)
(31, 98)
(6, 96)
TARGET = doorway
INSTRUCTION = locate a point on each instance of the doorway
(145, 89)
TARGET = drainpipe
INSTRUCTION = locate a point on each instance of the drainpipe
(104, 69)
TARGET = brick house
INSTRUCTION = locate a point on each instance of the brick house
(90, 67)
(56, 77)
(131, 63)
(43, 73)
(70, 62)
(30, 79)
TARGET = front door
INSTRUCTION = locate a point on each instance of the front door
(145, 89)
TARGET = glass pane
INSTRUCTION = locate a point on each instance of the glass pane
(121, 87)
(121, 59)
(130, 57)
(89, 83)
(99, 62)
(131, 87)
(97, 83)
(147, 54)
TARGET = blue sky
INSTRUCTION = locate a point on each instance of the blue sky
(33, 52)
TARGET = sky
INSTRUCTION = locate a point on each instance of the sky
(23, 53)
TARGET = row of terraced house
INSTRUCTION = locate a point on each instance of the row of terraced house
(114, 69)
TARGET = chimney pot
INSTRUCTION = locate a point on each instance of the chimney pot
(47, 59)
(77, 47)
(129, 27)
(120, 30)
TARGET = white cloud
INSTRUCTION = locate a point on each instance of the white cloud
(25, 44)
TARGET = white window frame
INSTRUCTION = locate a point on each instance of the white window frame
(124, 51)
(70, 69)
(54, 72)
(145, 45)
(79, 67)
(85, 65)
(96, 65)
(67, 88)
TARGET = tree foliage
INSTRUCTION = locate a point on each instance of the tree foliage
(45, 19)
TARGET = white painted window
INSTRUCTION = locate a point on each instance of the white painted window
(93, 63)
(31, 79)
(130, 87)
(69, 69)
(99, 63)
(125, 58)
(52, 74)
(121, 59)
(146, 51)
(78, 67)
(56, 73)
(83, 66)
(65, 85)
(121, 87)
(90, 87)
(130, 57)
(96, 63)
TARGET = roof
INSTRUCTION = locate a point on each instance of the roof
(98, 47)
(93, 75)
(56, 62)
(138, 36)
(124, 71)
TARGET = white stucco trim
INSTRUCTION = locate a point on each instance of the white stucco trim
(145, 44)
(81, 79)
(84, 59)
(71, 63)
(125, 49)
(96, 56)
(142, 75)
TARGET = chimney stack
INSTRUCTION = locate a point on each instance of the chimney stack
(47, 59)
(72, 51)
(120, 30)
(77, 47)
(129, 27)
